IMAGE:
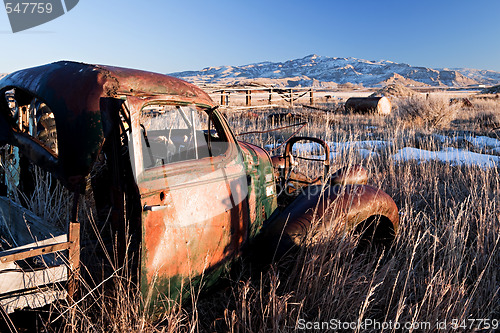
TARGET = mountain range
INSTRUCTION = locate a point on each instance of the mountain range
(318, 71)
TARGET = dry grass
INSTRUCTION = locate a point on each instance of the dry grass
(487, 113)
(444, 261)
(443, 265)
(50, 200)
(433, 112)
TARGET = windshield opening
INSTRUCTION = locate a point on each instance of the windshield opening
(175, 133)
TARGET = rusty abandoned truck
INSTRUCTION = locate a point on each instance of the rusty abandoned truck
(166, 176)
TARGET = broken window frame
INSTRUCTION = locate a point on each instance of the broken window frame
(135, 140)
(26, 118)
(23, 120)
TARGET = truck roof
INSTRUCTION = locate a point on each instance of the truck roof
(85, 79)
(77, 94)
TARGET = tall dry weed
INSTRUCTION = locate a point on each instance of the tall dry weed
(487, 113)
(430, 112)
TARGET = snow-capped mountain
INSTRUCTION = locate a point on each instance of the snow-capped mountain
(481, 76)
(315, 70)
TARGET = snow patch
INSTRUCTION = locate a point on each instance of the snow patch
(369, 144)
(365, 149)
(371, 149)
(453, 156)
(484, 142)
(445, 138)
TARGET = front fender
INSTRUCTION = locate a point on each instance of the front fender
(333, 206)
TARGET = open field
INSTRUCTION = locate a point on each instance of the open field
(442, 268)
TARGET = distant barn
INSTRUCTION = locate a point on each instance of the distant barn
(379, 105)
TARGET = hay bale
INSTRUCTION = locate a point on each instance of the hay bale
(379, 105)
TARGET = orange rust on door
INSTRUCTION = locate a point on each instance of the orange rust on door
(196, 224)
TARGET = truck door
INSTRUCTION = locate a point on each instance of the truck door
(192, 183)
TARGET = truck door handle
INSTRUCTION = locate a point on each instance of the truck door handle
(154, 208)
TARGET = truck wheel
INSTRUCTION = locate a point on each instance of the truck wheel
(376, 232)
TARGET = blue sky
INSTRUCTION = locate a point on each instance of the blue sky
(168, 36)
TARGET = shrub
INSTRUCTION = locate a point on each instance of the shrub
(435, 112)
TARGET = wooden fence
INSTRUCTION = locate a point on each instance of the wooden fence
(267, 96)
